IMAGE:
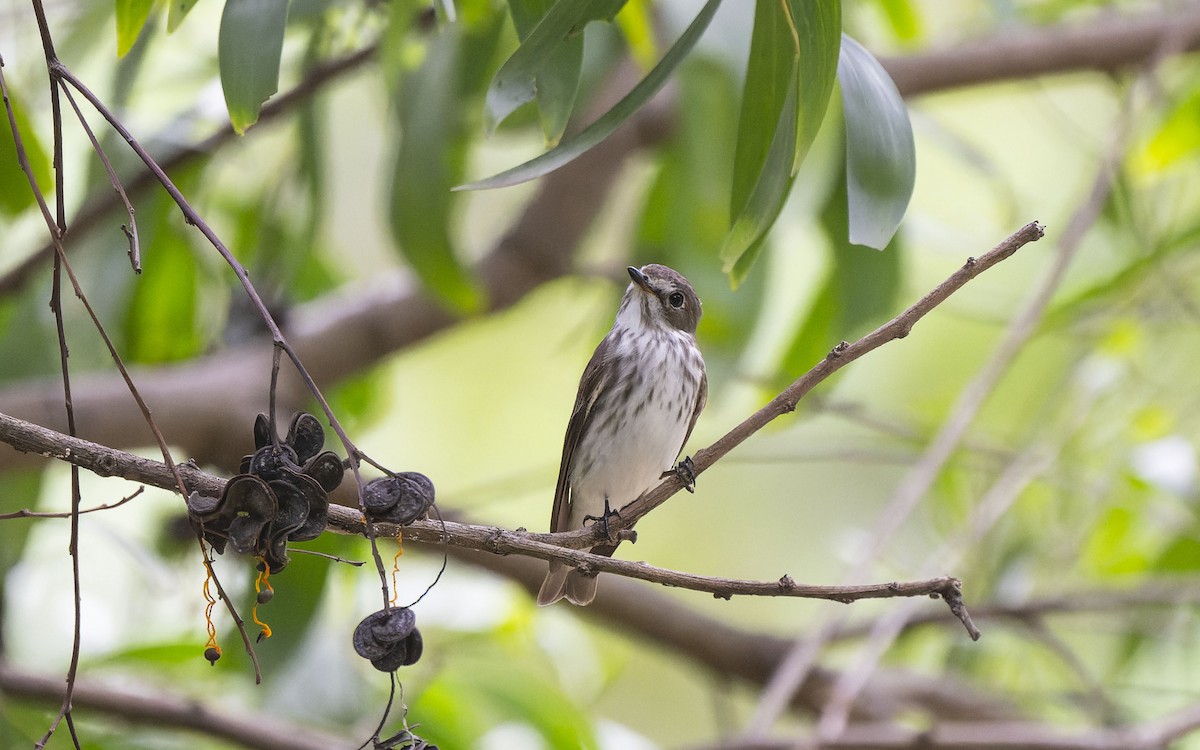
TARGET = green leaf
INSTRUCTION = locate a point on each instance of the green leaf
(570, 149)
(432, 157)
(249, 47)
(176, 11)
(161, 320)
(131, 19)
(744, 242)
(789, 79)
(686, 212)
(15, 194)
(770, 79)
(819, 31)
(516, 83)
(881, 164)
(1182, 555)
(557, 80)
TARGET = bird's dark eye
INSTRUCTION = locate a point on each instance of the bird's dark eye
(676, 299)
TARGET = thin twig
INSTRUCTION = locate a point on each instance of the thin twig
(56, 230)
(56, 227)
(130, 230)
(27, 513)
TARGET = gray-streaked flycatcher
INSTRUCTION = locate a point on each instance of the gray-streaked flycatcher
(638, 401)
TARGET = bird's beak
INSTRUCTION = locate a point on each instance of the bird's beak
(640, 280)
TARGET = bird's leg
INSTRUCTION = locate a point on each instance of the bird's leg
(686, 471)
(603, 519)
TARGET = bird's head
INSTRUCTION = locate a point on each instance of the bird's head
(659, 297)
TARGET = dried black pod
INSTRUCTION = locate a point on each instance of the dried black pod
(405, 653)
(262, 431)
(389, 639)
(401, 499)
(248, 505)
(305, 435)
(273, 461)
(201, 510)
(327, 469)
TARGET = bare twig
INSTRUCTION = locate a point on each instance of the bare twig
(56, 229)
(130, 230)
(27, 513)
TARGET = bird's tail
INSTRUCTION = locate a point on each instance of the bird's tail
(562, 581)
(554, 587)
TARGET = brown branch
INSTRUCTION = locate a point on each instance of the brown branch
(104, 461)
(1106, 45)
(160, 708)
(1154, 593)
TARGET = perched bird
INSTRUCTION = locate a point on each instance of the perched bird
(638, 401)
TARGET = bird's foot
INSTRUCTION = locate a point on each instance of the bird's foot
(686, 471)
(609, 512)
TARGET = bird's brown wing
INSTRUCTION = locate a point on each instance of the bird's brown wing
(594, 381)
(701, 400)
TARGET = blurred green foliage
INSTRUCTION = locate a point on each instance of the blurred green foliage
(757, 180)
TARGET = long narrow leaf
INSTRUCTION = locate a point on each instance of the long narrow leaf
(131, 18)
(249, 45)
(819, 33)
(573, 147)
(881, 164)
(515, 83)
(770, 78)
(176, 12)
(793, 63)
(432, 156)
(557, 79)
(745, 239)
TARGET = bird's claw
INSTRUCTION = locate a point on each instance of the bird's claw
(609, 512)
(686, 471)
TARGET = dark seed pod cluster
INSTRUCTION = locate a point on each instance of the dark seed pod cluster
(399, 499)
(389, 639)
(279, 496)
